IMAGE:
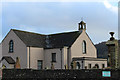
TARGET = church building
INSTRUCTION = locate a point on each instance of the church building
(68, 50)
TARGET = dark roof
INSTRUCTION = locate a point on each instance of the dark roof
(31, 39)
(48, 41)
(62, 39)
(8, 59)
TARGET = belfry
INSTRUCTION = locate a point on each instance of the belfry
(82, 26)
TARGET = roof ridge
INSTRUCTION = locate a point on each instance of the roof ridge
(44, 34)
(62, 33)
(28, 32)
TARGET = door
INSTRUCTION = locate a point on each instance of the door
(40, 64)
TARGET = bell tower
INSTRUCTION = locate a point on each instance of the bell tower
(81, 26)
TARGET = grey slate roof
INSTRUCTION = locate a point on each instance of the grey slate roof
(31, 39)
(62, 39)
(8, 59)
(48, 41)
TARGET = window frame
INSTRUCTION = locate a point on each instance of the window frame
(53, 55)
(41, 64)
(11, 46)
(84, 49)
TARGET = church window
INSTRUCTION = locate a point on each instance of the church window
(11, 44)
(84, 47)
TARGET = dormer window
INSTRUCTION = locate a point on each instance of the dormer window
(84, 47)
(11, 44)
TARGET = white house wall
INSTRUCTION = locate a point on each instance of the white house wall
(20, 49)
(48, 58)
(35, 55)
(76, 48)
(65, 52)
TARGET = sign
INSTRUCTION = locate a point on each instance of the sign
(106, 73)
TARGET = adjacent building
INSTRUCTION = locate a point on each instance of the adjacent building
(59, 51)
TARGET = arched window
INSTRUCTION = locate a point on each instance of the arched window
(97, 66)
(11, 44)
(84, 47)
(77, 65)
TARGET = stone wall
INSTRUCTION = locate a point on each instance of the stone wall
(29, 74)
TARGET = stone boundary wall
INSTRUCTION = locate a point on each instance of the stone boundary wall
(85, 74)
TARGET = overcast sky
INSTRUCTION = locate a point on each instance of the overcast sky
(101, 17)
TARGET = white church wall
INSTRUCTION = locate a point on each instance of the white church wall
(20, 49)
(35, 55)
(48, 58)
(76, 48)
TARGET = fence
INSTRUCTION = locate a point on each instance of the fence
(30, 74)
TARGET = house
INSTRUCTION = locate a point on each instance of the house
(59, 51)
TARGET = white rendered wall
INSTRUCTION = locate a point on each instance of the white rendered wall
(48, 58)
(76, 48)
(20, 49)
(35, 55)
